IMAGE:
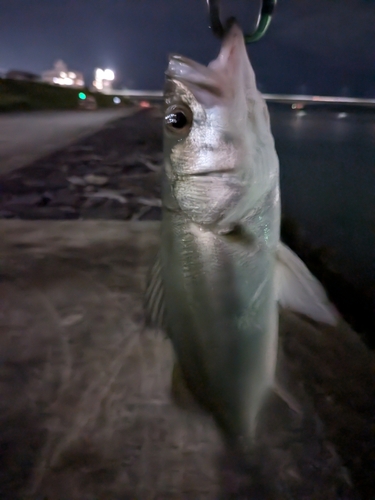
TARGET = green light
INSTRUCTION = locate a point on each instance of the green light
(82, 96)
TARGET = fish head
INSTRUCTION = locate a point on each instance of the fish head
(216, 133)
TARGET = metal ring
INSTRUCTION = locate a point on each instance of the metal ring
(264, 20)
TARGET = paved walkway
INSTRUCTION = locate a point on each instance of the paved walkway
(25, 137)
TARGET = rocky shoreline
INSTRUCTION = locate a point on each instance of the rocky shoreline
(113, 174)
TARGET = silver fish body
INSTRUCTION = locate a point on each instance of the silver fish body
(219, 235)
(222, 313)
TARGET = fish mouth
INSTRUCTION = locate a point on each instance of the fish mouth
(214, 173)
(183, 67)
(193, 75)
(208, 173)
(221, 78)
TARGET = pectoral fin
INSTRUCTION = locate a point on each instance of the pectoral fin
(287, 397)
(299, 291)
(154, 299)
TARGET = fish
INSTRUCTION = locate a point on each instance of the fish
(222, 273)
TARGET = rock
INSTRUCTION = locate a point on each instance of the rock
(152, 166)
(91, 157)
(108, 194)
(135, 162)
(136, 188)
(76, 181)
(71, 320)
(96, 180)
(141, 213)
(127, 160)
(115, 213)
(78, 168)
(149, 202)
(6, 214)
(76, 148)
(33, 183)
(30, 199)
(56, 180)
(110, 205)
(68, 210)
(108, 171)
(42, 213)
(63, 197)
(91, 202)
(154, 213)
(138, 167)
(152, 163)
(12, 186)
(47, 195)
(158, 157)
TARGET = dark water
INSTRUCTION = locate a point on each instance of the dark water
(327, 170)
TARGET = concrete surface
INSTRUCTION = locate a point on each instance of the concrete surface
(25, 137)
(85, 409)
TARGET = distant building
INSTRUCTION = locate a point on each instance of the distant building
(15, 74)
(61, 75)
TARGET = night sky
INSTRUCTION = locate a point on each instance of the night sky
(313, 46)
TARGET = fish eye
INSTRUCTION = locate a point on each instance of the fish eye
(178, 119)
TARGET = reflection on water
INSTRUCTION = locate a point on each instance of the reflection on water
(327, 171)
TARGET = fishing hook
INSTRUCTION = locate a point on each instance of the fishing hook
(263, 22)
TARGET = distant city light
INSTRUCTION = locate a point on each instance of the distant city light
(82, 96)
(63, 81)
(99, 74)
(298, 105)
(62, 75)
(116, 100)
(103, 78)
(109, 75)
